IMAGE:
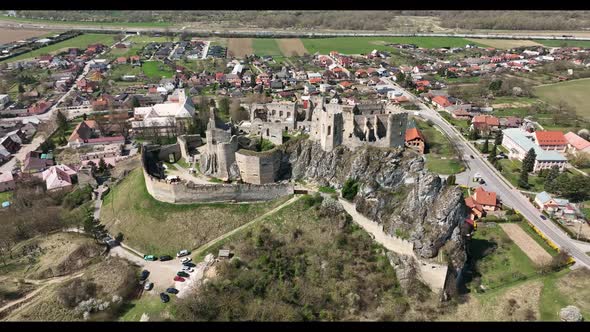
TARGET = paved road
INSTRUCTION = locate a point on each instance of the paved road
(509, 195)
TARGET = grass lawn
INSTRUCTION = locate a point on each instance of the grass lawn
(567, 43)
(511, 171)
(130, 209)
(149, 304)
(156, 69)
(81, 41)
(563, 289)
(504, 264)
(463, 124)
(358, 45)
(5, 196)
(440, 153)
(266, 46)
(573, 92)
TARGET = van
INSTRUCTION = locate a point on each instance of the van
(182, 253)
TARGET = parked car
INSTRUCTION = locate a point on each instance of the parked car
(543, 217)
(482, 181)
(187, 268)
(165, 258)
(178, 278)
(150, 257)
(183, 252)
(472, 157)
(144, 274)
(172, 290)
(182, 274)
(189, 264)
(185, 260)
(164, 297)
(148, 286)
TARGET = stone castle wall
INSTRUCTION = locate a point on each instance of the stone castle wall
(208, 193)
(258, 168)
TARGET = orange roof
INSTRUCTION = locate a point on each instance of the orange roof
(442, 101)
(484, 197)
(345, 84)
(487, 119)
(550, 138)
(576, 141)
(412, 134)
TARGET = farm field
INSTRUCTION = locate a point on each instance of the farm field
(531, 248)
(239, 47)
(130, 209)
(81, 41)
(567, 43)
(266, 46)
(106, 24)
(358, 45)
(291, 46)
(573, 92)
(504, 43)
(8, 35)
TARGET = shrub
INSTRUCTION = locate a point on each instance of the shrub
(77, 197)
(350, 189)
(75, 292)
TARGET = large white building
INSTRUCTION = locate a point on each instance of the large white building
(166, 115)
(519, 142)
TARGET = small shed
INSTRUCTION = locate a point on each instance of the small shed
(223, 253)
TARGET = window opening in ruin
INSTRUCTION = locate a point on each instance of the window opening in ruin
(329, 130)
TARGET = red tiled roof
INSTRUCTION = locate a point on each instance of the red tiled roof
(484, 197)
(442, 101)
(550, 138)
(576, 141)
(412, 134)
(487, 119)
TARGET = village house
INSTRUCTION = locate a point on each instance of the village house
(6, 182)
(165, 116)
(576, 144)
(415, 140)
(441, 102)
(88, 133)
(39, 108)
(485, 124)
(58, 177)
(480, 202)
(557, 207)
(36, 161)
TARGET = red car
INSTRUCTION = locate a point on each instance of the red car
(178, 278)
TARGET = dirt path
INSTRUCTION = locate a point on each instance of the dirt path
(44, 283)
(230, 233)
(531, 248)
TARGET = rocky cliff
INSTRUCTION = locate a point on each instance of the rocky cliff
(395, 190)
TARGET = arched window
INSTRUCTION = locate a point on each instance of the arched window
(281, 113)
(329, 130)
(288, 114)
(267, 132)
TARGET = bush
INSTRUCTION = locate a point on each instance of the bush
(77, 197)
(75, 292)
(312, 200)
(350, 189)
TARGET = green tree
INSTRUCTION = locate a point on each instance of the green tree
(492, 155)
(473, 134)
(451, 179)
(528, 163)
(350, 189)
(21, 89)
(62, 121)
(102, 166)
(485, 148)
(523, 181)
(550, 183)
(495, 85)
(400, 77)
(498, 138)
(224, 106)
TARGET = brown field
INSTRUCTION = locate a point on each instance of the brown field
(531, 248)
(291, 47)
(504, 43)
(9, 35)
(239, 47)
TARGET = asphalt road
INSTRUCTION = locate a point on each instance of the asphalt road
(509, 195)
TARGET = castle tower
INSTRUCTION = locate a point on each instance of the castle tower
(331, 127)
(396, 129)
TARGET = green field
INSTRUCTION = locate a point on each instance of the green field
(81, 41)
(149, 304)
(5, 196)
(567, 43)
(358, 45)
(440, 156)
(156, 69)
(130, 209)
(573, 92)
(266, 46)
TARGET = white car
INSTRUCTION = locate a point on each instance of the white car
(182, 253)
(187, 269)
(185, 260)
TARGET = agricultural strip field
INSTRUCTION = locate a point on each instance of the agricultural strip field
(266, 46)
(291, 46)
(8, 35)
(358, 45)
(81, 41)
(163, 228)
(573, 92)
(239, 47)
(531, 248)
(567, 43)
(504, 43)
